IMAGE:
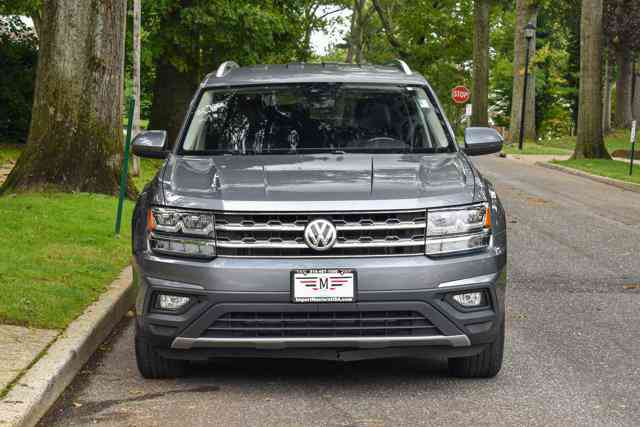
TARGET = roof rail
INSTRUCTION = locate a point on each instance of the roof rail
(400, 64)
(225, 67)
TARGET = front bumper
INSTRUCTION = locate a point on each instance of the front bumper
(414, 284)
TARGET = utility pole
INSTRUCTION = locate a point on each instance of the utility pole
(137, 14)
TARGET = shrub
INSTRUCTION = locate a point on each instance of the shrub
(18, 60)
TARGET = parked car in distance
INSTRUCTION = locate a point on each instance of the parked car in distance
(319, 211)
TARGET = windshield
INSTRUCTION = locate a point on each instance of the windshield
(315, 118)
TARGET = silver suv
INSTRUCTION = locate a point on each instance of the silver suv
(318, 211)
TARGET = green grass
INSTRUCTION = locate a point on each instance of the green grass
(531, 148)
(148, 169)
(618, 140)
(9, 152)
(58, 251)
(609, 168)
(58, 254)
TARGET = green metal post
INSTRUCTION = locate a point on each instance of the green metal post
(124, 173)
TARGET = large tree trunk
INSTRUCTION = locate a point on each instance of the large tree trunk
(75, 138)
(136, 78)
(480, 97)
(354, 52)
(608, 91)
(623, 87)
(172, 91)
(590, 142)
(527, 11)
(354, 22)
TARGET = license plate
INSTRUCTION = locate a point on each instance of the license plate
(323, 285)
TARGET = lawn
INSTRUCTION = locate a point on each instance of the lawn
(9, 152)
(609, 168)
(58, 255)
(531, 148)
(618, 140)
(59, 252)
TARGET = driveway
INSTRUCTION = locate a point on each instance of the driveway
(572, 351)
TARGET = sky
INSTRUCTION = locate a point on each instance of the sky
(322, 42)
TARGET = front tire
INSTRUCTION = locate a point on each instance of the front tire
(153, 366)
(487, 364)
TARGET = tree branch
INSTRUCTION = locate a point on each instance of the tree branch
(340, 9)
(393, 41)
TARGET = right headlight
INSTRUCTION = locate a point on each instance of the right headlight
(458, 230)
(181, 232)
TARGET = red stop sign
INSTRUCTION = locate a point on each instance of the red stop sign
(460, 94)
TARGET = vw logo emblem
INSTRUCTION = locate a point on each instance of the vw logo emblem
(320, 235)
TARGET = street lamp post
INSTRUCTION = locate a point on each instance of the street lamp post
(529, 34)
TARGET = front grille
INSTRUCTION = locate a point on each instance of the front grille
(359, 234)
(321, 324)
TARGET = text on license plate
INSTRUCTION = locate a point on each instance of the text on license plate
(323, 285)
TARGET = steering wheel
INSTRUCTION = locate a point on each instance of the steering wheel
(384, 139)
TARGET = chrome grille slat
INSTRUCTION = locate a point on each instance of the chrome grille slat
(346, 227)
(359, 234)
(339, 245)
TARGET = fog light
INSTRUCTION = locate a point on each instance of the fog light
(470, 299)
(171, 302)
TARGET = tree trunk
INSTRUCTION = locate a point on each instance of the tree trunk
(137, 12)
(590, 142)
(608, 90)
(623, 87)
(172, 92)
(388, 30)
(480, 94)
(355, 36)
(527, 11)
(75, 138)
(354, 19)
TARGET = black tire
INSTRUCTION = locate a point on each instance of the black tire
(153, 366)
(487, 364)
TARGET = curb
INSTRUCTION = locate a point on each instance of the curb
(601, 179)
(39, 388)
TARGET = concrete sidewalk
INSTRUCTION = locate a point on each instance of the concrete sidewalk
(20, 346)
(37, 365)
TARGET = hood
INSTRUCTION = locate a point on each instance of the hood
(318, 182)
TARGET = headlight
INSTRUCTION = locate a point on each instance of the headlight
(455, 230)
(181, 232)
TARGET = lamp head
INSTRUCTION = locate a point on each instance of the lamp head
(529, 31)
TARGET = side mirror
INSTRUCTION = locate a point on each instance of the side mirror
(478, 141)
(151, 143)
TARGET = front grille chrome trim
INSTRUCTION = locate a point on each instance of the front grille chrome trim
(339, 245)
(369, 233)
(344, 227)
(183, 343)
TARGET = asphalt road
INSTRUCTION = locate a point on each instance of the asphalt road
(572, 352)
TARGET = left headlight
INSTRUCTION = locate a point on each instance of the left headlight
(181, 232)
(458, 230)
